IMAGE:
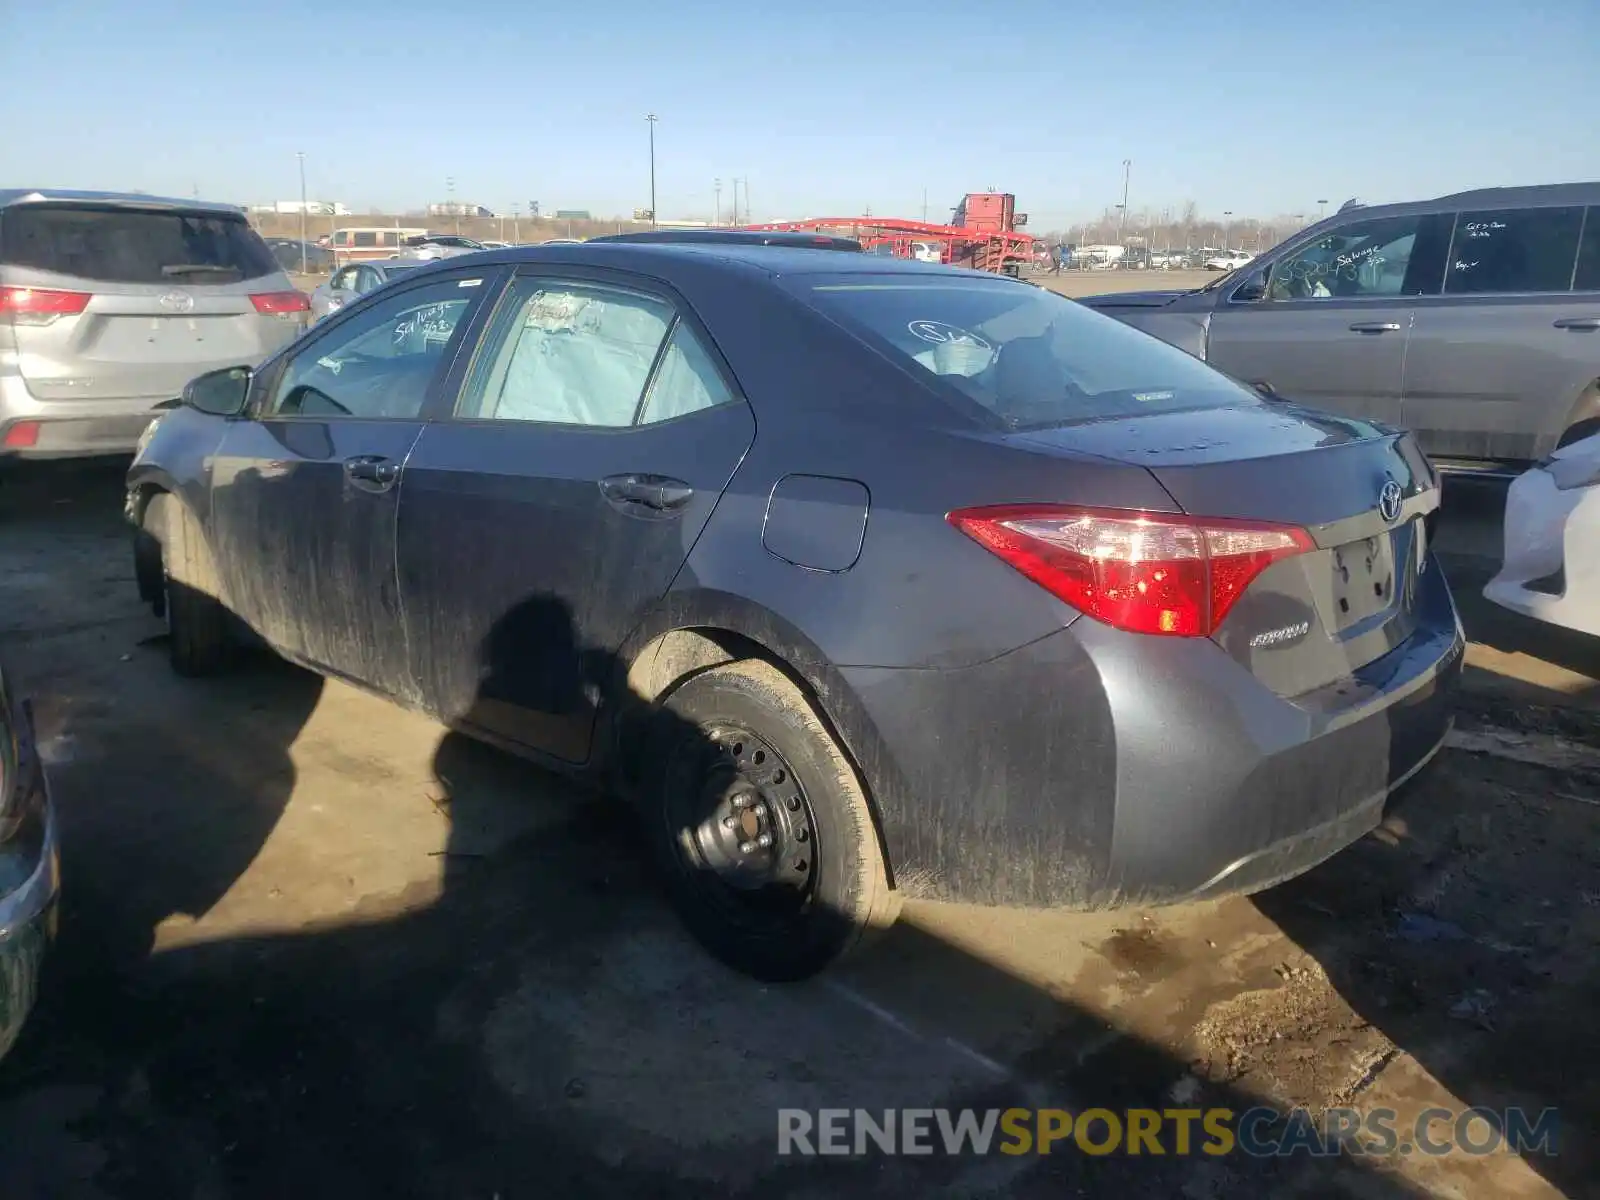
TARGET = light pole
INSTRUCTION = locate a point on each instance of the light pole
(735, 183)
(301, 155)
(651, 119)
(450, 196)
(1322, 209)
(1227, 226)
(1122, 220)
(716, 191)
(516, 224)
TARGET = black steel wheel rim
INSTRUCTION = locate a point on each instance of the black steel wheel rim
(743, 826)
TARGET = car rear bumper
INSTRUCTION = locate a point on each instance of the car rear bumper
(29, 884)
(1095, 768)
(70, 428)
(1549, 571)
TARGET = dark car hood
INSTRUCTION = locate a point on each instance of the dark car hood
(1132, 299)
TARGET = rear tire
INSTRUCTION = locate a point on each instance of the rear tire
(198, 641)
(737, 755)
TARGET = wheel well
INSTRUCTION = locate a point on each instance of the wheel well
(1585, 412)
(672, 658)
(147, 550)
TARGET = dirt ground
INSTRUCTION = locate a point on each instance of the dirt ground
(315, 946)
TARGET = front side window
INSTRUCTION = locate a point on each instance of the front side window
(568, 353)
(1363, 258)
(381, 362)
(1587, 277)
(1026, 357)
(1514, 250)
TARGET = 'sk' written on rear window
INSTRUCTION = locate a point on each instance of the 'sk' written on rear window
(133, 246)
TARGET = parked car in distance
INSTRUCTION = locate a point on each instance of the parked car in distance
(30, 868)
(297, 257)
(1228, 260)
(764, 539)
(356, 280)
(1551, 567)
(1473, 319)
(433, 246)
(110, 303)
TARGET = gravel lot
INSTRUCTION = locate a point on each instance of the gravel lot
(316, 946)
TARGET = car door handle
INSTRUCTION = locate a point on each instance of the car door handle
(658, 493)
(1582, 324)
(1375, 327)
(372, 471)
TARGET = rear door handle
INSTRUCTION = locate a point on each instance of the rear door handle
(372, 472)
(1582, 324)
(658, 493)
(1375, 327)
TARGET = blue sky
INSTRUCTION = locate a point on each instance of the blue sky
(1261, 108)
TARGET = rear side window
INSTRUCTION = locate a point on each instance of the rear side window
(1513, 250)
(130, 245)
(1587, 278)
(1025, 356)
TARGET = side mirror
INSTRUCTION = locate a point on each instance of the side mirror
(220, 393)
(1251, 290)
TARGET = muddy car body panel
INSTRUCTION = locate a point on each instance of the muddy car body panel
(528, 578)
(29, 867)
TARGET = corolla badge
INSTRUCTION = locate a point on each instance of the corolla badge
(1389, 499)
(177, 302)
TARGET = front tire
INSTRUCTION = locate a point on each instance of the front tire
(760, 827)
(198, 641)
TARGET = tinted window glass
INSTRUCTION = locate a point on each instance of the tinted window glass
(1588, 276)
(381, 362)
(569, 354)
(1363, 258)
(686, 380)
(129, 245)
(1024, 355)
(1514, 250)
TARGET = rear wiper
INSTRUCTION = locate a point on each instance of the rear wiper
(197, 269)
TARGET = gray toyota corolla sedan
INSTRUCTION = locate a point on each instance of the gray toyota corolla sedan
(858, 578)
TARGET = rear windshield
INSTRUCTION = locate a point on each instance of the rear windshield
(130, 245)
(1026, 356)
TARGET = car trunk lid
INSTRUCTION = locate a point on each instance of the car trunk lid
(1363, 492)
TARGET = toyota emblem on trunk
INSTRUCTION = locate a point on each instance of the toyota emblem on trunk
(177, 302)
(1389, 497)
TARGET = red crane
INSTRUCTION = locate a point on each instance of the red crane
(983, 235)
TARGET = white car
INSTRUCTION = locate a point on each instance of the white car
(1551, 570)
(1228, 261)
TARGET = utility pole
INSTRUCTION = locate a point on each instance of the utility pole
(516, 224)
(1122, 221)
(924, 206)
(301, 155)
(650, 119)
(716, 191)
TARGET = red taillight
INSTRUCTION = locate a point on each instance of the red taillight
(1143, 572)
(39, 306)
(276, 303)
(21, 435)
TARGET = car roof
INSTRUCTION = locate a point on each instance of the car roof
(736, 237)
(646, 256)
(14, 197)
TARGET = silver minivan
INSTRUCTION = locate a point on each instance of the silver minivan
(1473, 320)
(110, 303)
